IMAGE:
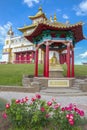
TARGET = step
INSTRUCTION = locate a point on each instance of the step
(60, 90)
(65, 94)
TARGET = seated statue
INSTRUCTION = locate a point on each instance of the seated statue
(54, 63)
(54, 60)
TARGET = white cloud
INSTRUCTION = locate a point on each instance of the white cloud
(59, 10)
(30, 3)
(83, 55)
(65, 16)
(3, 31)
(81, 9)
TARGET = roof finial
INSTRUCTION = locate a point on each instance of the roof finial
(10, 31)
(40, 8)
(55, 18)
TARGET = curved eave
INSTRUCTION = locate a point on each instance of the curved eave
(27, 27)
(37, 16)
(76, 29)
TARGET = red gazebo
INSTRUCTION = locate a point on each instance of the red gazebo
(58, 37)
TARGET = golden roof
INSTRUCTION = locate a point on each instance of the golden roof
(38, 14)
(23, 29)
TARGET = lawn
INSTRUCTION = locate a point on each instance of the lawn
(11, 74)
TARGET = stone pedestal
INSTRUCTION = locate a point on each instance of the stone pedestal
(55, 71)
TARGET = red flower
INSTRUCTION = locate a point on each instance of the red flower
(23, 100)
(49, 103)
(81, 113)
(17, 101)
(42, 109)
(71, 122)
(33, 99)
(4, 115)
(7, 105)
(63, 109)
(26, 98)
(38, 96)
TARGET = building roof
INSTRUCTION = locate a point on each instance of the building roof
(23, 29)
(75, 28)
(38, 14)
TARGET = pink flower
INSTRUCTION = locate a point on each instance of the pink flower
(7, 106)
(38, 96)
(81, 113)
(67, 116)
(71, 122)
(47, 115)
(49, 103)
(56, 106)
(42, 109)
(33, 99)
(26, 98)
(63, 109)
(23, 100)
(4, 115)
(71, 116)
(17, 101)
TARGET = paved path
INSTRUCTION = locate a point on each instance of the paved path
(81, 101)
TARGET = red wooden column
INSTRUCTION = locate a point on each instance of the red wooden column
(36, 62)
(44, 73)
(73, 62)
(68, 60)
(47, 60)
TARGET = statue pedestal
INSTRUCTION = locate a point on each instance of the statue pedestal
(55, 71)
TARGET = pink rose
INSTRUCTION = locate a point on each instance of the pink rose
(17, 101)
(7, 105)
(26, 98)
(63, 109)
(49, 103)
(56, 106)
(4, 115)
(38, 96)
(42, 109)
(81, 113)
(33, 99)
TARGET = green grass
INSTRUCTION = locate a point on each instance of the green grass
(11, 74)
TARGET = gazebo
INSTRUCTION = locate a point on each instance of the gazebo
(51, 35)
(55, 36)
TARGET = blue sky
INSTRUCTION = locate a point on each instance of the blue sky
(16, 12)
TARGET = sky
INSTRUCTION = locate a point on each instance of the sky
(16, 12)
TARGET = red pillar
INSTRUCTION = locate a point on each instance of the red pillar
(72, 62)
(47, 61)
(60, 58)
(44, 64)
(36, 63)
(68, 60)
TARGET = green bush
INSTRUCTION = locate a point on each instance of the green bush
(38, 114)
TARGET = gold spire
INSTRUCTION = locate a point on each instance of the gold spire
(40, 9)
(51, 20)
(55, 18)
(10, 31)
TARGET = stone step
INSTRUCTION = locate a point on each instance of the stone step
(59, 90)
(65, 94)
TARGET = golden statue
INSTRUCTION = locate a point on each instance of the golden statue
(54, 63)
(53, 60)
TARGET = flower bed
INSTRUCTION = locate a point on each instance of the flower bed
(38, 114)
